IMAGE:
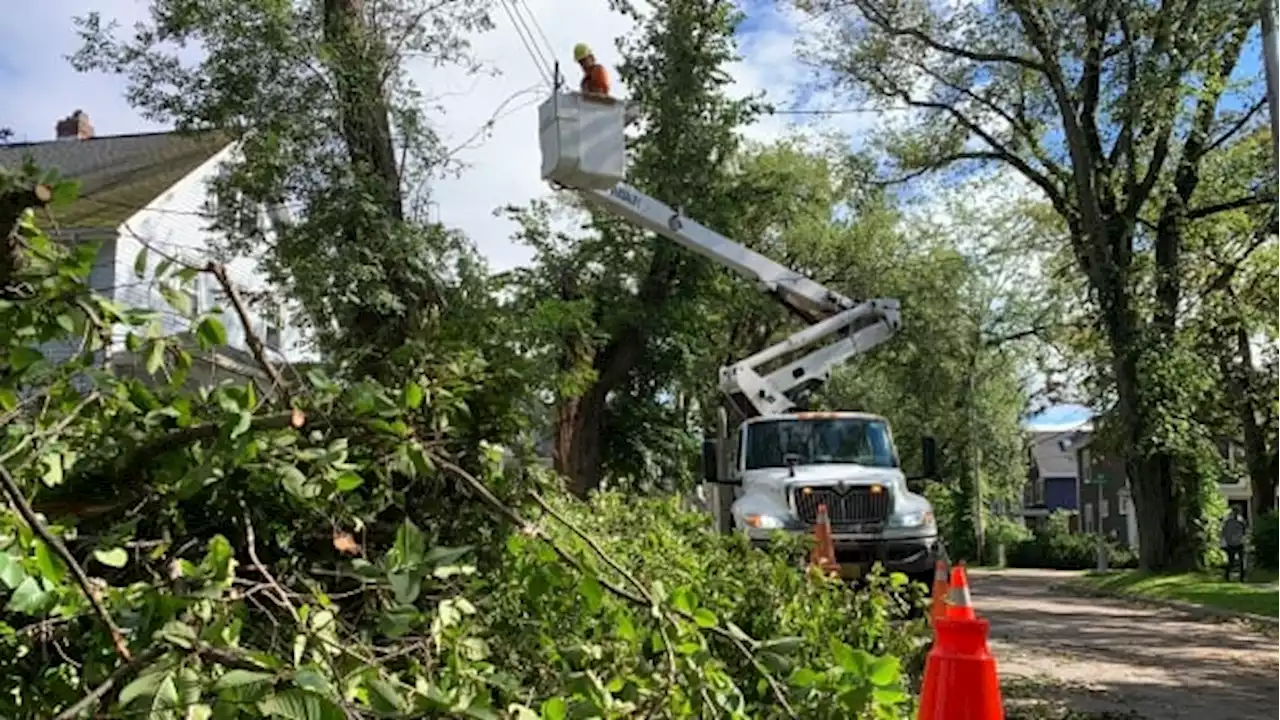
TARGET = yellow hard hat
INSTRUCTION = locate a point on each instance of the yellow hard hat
(580, 51)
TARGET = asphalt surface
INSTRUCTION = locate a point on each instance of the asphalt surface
(1112, 656)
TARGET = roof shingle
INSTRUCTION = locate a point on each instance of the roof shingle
(118, 174)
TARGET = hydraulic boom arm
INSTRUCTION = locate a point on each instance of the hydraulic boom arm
(840, 326)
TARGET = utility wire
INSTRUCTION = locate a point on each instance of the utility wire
(551, 50)
(528, 41)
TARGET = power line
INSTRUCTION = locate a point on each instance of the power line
(837, 111)
(528, 42)
(551, 50)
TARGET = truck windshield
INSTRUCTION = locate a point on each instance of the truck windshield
(860, 441)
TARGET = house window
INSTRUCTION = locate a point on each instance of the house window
(1088, 517)
(273, 336)
(1104, 508)
(1124, 505)
(1086, 467)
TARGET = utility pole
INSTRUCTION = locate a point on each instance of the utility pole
(975, 452)
(1270, 59)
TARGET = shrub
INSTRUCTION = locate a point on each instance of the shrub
(1265, 536)
(1055, 547)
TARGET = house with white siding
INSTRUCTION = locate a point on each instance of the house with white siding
(151, 191)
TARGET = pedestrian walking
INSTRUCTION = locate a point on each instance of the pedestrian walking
(1233, 532)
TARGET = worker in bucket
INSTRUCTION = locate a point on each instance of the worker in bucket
(595, 79)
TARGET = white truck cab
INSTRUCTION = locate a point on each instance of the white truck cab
(782, 467)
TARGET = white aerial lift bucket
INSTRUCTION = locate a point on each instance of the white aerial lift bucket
(583, 140)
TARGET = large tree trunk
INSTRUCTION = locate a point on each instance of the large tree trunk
(579, 436)
(360, 63)
(1260, 462)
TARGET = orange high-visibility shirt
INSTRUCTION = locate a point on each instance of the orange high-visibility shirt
(596, 80)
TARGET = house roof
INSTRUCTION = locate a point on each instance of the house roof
(118, 174)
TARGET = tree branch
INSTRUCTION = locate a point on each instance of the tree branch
(881, 20)
(95, 696)
(256, 346)
(82, 579)
(1205, 211)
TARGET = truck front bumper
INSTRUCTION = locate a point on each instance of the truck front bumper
(908, 555)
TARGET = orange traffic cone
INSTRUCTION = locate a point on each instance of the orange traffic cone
(824, 549)
(938, 599)
(960, 680)
(959, 605)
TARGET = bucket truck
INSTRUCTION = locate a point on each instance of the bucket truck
(771, 463)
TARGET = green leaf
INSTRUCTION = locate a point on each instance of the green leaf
(623, 628)
(296, 704)
(8, 399)
(49, 564)
(889, 696)
(155, 356)
(555, 709)
(240, 678)
(28, 598)
(591, 591)
(145, 685)
(348, 481)
(115, 557)
(66, 322)
(11, 572)
(384, 696)
(783, 645)
(179, 300)
(309, 678)
(212, 332)
(805, 678)
(243, 421)
(441, 555)
(410, 546)
(413, 395)
(179, 633)
(704, 618)
(884, 671)
(23, 357)
(406, 584)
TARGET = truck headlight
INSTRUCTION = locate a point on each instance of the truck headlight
(765, 522)
(919, 518)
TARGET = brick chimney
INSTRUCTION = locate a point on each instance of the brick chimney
(75, 127)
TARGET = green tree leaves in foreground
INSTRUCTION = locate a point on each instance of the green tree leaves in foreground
(221, 552)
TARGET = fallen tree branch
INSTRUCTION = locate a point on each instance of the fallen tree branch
(255, 343)
(82, 579)
(643, 600)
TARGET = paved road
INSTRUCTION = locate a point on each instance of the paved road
(1112, 656)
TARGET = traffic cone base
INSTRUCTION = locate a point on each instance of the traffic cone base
(960, 678)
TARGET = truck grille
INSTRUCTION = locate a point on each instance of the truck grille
(853, 505)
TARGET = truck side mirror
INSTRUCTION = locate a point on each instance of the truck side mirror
(709, 470)
(929, 456)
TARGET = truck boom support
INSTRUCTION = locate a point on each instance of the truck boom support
(577, 132)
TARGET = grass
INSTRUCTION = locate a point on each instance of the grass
(1258, 596)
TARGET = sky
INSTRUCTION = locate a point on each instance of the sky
(502, 165)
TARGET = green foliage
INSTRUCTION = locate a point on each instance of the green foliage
(329, 123)
(343, 548)
(1264, 537)
(1054, 546)
(1156, 143)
